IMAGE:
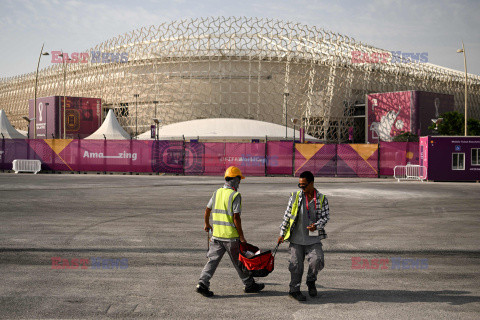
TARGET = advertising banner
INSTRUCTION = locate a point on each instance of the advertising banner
(279, 158)
(320, 159)
(357, 160)
(388, 115)
(194, 158)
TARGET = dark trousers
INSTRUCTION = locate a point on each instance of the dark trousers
(315, 259)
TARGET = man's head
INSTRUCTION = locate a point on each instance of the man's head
(305, 182)
(233, 175)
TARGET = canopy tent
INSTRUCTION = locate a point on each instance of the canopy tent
(110, 129)
(6, 129)
(223, 129)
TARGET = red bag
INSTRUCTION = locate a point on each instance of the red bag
(259, 265)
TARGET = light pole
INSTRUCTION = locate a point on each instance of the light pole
(64, 95)
(155, 103)
(157, 126)
(136, 115)
(294, 121)
(35, 98)
(285, 95)
(465, 64)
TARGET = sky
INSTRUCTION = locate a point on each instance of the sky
(434, 26)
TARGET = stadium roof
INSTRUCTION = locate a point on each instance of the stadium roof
(224, 129)
(6, 128)
(110, 129)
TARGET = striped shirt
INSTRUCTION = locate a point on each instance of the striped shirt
(321, 217)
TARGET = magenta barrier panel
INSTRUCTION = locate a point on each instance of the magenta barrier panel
(320, 159)
(108, 155)
(397, 154)
(254, 159)
(357, 160)
(213, 158)
(249, 157)
(279, 157)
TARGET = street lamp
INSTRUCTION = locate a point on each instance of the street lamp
(64, 95)
(28, 121)
(35, 98)
(157, 127)
(136, 115)
(465, 64)
(285, 95)
(294, 121)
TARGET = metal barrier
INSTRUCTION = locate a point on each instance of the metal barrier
(410, 172)
(27, 165)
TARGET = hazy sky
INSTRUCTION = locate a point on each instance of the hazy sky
(433, 26)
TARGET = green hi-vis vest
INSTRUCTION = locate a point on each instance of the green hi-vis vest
(294, 212)
(222, 214)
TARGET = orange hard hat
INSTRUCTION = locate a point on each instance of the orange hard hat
(233, 172)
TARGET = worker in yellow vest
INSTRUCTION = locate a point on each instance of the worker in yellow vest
(303, 226)
(225, 207)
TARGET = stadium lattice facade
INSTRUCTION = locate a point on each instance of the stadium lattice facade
(236, 68)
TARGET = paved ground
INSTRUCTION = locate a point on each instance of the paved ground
(156, 223)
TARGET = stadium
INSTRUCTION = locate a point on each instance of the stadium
(247, 68)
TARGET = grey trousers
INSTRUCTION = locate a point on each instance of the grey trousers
(315, 259)
(215, 254)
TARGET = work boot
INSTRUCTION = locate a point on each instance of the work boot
(297, 295)
(255, 287)
(312, 290)
(203, 290)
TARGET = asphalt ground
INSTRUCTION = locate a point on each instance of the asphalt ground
(156, 223)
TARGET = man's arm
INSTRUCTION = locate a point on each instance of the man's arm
(238, 224)
(286, 218)
(324, 215)
(207, 219)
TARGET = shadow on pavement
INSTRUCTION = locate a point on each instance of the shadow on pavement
(346, 295)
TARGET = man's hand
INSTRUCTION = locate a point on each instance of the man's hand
(280, 240)
(207, 227)
(242, 239)
(312, 227)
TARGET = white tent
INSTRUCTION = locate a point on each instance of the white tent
(110, 129)
(223, 129)
(7, 130)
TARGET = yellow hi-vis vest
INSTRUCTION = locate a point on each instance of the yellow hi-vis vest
(294, 212)
(222, 214)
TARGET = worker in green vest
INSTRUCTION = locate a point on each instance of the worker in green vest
(225, 207)
(303, 226)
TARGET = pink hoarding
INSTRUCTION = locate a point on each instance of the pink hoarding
(178, 157)
(279, 158)
(397, 154)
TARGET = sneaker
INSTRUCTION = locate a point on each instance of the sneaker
(297, 295)
(255, 287)
(312, 290)
(203, 290)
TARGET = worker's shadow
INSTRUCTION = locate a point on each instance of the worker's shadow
(347, 295)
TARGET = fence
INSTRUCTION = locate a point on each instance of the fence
(210, 158)
(409, 172)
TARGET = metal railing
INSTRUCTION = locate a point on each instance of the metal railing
(410, 172)
(27, 165)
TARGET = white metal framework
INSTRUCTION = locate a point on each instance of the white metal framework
(236, 68)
